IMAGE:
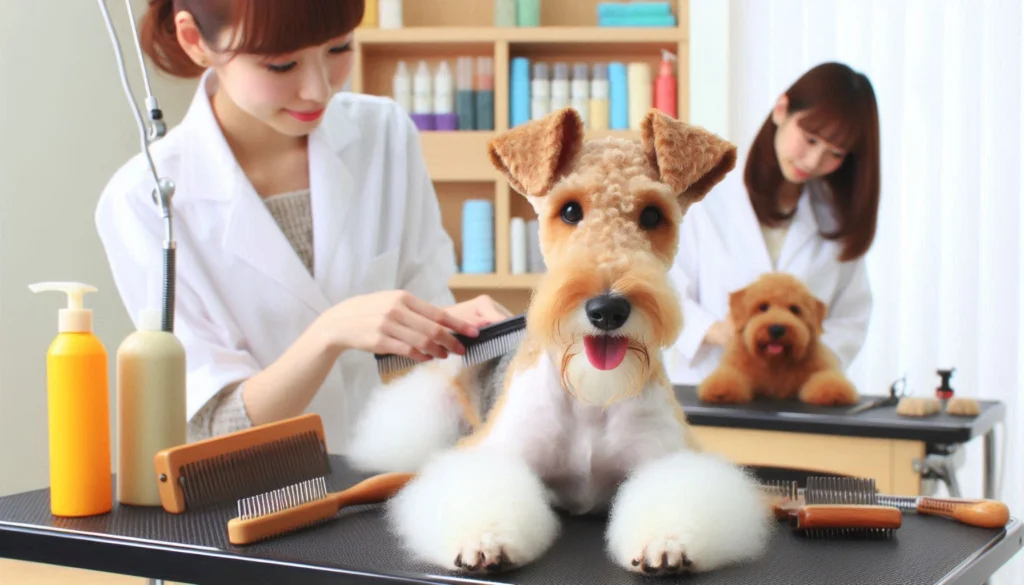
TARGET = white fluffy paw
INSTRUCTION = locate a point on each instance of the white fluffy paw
(687, 512)
(475, 510)
(662, 556)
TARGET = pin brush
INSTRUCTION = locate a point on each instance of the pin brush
(787, 496)
(495, 340)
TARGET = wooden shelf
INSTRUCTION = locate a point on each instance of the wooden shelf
(445, 30)
(550, 35)
(494, 281)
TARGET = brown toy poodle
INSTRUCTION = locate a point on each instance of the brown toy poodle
(776, 351)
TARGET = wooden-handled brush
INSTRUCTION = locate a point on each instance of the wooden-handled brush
(981, 513)
(853, 511)
(305, 504)
(241, 464)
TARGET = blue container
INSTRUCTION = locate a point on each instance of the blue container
(618, 96)
(519, 92)
(478, 236)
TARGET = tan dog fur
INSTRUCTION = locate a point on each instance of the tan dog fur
(805, 369)
(495, 450)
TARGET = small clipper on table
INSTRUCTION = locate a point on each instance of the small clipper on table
(242, 464)
(495, 340)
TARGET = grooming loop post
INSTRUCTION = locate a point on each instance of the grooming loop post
(163, 187)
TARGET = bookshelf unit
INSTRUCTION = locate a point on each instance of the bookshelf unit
(435, 30)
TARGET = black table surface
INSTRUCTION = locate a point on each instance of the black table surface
(356, 547)
(876, 423)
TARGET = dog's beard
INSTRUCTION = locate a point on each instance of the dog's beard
(600, 370)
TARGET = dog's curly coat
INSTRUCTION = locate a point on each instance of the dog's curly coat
(776, 351)
(582, 417)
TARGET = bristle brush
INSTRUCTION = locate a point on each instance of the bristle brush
(241, 464)
(494, 340)
(305, 504)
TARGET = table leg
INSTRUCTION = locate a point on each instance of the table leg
(155, 582)
(990, 464)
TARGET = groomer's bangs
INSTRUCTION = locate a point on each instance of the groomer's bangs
(275, 27)
(842, 125)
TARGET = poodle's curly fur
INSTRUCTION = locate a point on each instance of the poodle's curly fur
(776, 351)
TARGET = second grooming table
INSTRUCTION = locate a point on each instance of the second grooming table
(894, 450)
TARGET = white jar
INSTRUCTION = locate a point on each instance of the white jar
(390, 14)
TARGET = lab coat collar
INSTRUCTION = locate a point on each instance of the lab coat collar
(803, 227)
(251, 233)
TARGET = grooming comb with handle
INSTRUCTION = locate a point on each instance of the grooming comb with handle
(787, 496)
(301, 505)
(834, 507)
(494, 340)
(241, 464)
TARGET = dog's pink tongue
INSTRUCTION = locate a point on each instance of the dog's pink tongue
(605, 352)
(775, 348)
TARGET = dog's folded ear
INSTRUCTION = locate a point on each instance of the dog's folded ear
(689, 159)
(737, 308)
(533, 156)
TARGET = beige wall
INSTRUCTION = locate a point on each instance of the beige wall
(65, 126)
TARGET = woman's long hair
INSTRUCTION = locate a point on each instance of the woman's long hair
(840, 107)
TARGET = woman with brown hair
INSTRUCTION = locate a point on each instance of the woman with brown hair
(804, 202)
(309, 234)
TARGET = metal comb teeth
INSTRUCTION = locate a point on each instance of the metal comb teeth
(850, 533)
(258, 469)
(781, 488)
(282, 499)
(493, 348)
(841, 490)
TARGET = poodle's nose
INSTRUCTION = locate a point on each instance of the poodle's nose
(776, 331)
(607, 312)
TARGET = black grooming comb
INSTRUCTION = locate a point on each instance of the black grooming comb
(495, 340)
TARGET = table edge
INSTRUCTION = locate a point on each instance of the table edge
(310, 573)
(980, 565)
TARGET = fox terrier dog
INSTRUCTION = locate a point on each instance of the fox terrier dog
(581, 418)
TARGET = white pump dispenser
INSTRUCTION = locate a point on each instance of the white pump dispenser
(75, 318)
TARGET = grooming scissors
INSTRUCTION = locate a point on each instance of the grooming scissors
(897, 390)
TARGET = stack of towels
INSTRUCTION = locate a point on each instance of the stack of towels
(635, 14)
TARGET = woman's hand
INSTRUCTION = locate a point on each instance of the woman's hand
(394, 322)
(721, 332)
(479, 311)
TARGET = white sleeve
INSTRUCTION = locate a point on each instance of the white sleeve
(428, 255)
(849, 311)
(130, 231)
(685, 274)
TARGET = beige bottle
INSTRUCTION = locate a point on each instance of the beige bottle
(150, 407)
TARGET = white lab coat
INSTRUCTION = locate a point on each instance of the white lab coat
(722, 249)
(243, 294)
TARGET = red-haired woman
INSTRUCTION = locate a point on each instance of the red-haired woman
(306, 223)
(804, 202)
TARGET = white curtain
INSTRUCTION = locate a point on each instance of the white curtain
(947, 266)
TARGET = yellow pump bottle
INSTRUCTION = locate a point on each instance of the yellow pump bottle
(78, 400)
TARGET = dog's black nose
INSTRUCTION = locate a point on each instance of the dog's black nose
(608, 312)
(776, 331)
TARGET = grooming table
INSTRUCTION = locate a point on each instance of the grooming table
(357, 548)
(896, 451)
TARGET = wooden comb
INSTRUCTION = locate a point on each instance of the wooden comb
(241, 464)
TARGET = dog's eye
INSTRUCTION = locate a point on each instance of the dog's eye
(572, 213)
(794, 309)
(650, 217)
(764, 307)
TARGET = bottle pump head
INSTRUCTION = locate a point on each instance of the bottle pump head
(666, 67)
(75, 318)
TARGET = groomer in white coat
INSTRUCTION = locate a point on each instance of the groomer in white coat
(309, 234)
(804, 202)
